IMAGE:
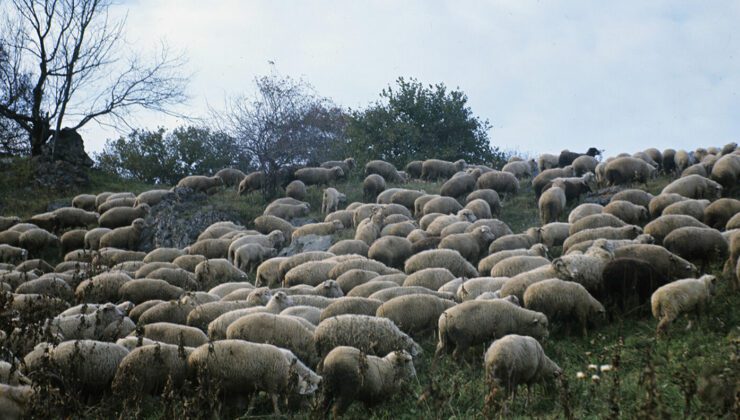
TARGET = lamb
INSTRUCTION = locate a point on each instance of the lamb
(584, 210)
(123, 216)
(123, 237)
(349, 374)
(153, 197)
(81, 201)
(434, 169)
(279, 330)
(331, 200)
(726, 171)
(351, 305)
(431, 278)
(210, 273)
(665, 262)
(626, 211)
(551, 204)
(444, 205)
(625, 278)
(688, 207)
(346, 164)
(514, 359)
(501, 182)
(524, 240)
(625, 232)
(390, 250)
(521, 169)
(320, 229)
(547, 161)
(369, 334)
(459, 185)
(512, 266)
(147, 369)
(563, 300)
(664, 225)
(718, 213)
(231, 177)
(240, 366)
(697, 244)
(472, 288)
(478, 321)
(373, 185)
(287, 211)
(443, 258)
(694, 186)
(681, 296)
(384, 169)
(200, 183)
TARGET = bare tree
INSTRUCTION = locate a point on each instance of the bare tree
(283, 125)
(71, 52)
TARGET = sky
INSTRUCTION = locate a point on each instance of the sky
(548, 75)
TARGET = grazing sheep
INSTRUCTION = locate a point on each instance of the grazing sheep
(350, 246)
(726, 171)
(81, 201)
(688, 207)
(662, 201)
(373, 185)
(254, 181)
(563, 301)
(311, 273)
(480, 209)
(489, 196)
(240, 366)
(434, 169)
(36, 240)
(681, 296)
(347, 164)
(470, 245)
(695, 169)
(296, 189)
(153, 197)
(718, 213)
(12, 254)
(694, 186)
(682, 160)
(384, 169)
(665, 262)
(71, 217)
(501, 182)
(625, 232)
(268, 223)
(585, 269)
(458, 186)
(369, 229)
(551, 204)
(574, 187)
(163, 255)
(47, 285)
(634, 196)
(584, 210)
(176, 277)
(664, 225)
(547, 161)
(351, 305)
(567, 157)
(101, 288)
(733, 223)
(512, 266)
(546, 176)
(353, 278)
(472, 288)
(118, 202)
(123, 216)
(319, 229)
(123, 237)
(430, 278)
(486, 264)
(90, 364)
(584, 164)
(231, 177)
(390, 250)
(210, 273)
(443, 258)
(414, 168)
(278, 330)
(444, 205)
(294, 261)
(406, 198)
(610, 244)
(524, 240)
(331, 200)
(142, 290)
(350, 374)
(393, 292)
(514, 359)
(372, 286)
(287, 211)
(521, 169)
(668, 164)
(147, 369)
(699, 244)
(175, 334)
(628, 278)
(367, 333)
(105, 323)
(626, 211)
(478, 321)
(200, 183)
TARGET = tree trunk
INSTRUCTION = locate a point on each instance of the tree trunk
(39, 136)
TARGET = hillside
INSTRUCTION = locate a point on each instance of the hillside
(651, 377)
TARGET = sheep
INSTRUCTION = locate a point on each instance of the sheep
(521, 169)
(392, 292)
(585, 269)
(12, 238)
(384, 169)
(584, 210)
(458, 186)
(401, 229)
(90, 364)
(101, 288)
(514, 265)
(36, 240)
(369, 229)
(390, 250)
(439, 222)
(625, 278)
(662, 201)
(634, 196)
(443, 258)
(485, 264)
(210, 248)
(210, 273)
(547, 161)
(123, 237)
(567, 157)
(349, 374)
(231, 177)
(563, 300)
(372, 286)
(175, 334)
(524, 240)
(514, 359)
(574, 187)
(414, 168)
(331, 200)
(718, 213)
(350, 305)
(624, 232)
(584, 164)
(163, 255)
(298, 259)
(472, 288)
(373, 185)
(668, 162)
(444, 205)
(71, 217)
(665, 262)
(695, 169)
(405, 197)
(350, 246)
(682, 160)
(551, 204)
(53, 286)
(610, 244)
(431, 278)
(688, 207)
(434, 169)
(277, 303)
(489, 196)
(681, 296)
(141, 290)
(311, 273)
(501, 182)
(628, 212)
(266, 224)
(147, 268)
(12, 254)
(38, 266)
(287, 211)
(319, 229)
(278, 330)
(369, 334)
(118, 202)
(240, 366)
(147, 369)
(420, 202)
(664, 225)
(344, 216)
(347, 164)
(470, 245)
(106, 323)
(308, 316)
(81, 201)
(353, 278)
(545, 176)
(153, 197)
(478, 321)
(733, 223)
(697, 244)
(93, 237)
(173, 311)
(480, 208)
(694, 186)
(220, 230)
(176, 277)
(726, 171)
(296, 189)
(123, 216)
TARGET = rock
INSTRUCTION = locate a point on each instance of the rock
(59, 174)
(69, 147)
(300, 221)
(307, 243)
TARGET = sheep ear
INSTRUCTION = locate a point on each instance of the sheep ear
(535, 321)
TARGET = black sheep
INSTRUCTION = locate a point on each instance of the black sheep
(628, 278)
(567, 157)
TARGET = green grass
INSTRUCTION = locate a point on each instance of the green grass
(654, 377)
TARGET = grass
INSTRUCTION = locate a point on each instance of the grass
(653, 377)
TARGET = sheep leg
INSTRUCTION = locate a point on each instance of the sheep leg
(275, 403)
(663, 325)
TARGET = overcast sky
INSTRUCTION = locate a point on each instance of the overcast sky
(548, 75)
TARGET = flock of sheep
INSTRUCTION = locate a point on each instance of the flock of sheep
(345, 320)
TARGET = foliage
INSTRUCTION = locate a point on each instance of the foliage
(284, 124)
(162, 157)
(65, 61)
(414, 122)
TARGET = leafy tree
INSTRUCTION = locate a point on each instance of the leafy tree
(162, 157)
(414, 122)
(73, 56)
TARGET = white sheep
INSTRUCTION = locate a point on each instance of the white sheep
(681, 296)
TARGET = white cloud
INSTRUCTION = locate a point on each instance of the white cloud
(548, 75)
